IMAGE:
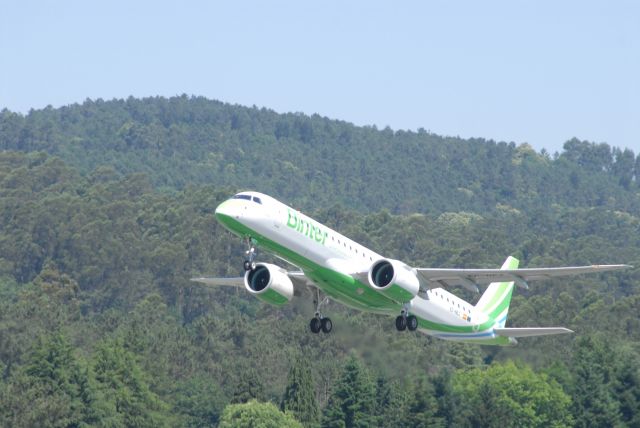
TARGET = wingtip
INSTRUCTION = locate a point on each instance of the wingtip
(612, 267)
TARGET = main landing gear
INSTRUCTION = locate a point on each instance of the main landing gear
(319, 322)
(405, 321)
(250, 255)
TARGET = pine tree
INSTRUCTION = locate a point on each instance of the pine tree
(249, 387)
(351, 403)
(593, 402)
(390, 403)
(423, 405)
(299, 397)
(53, 388)
(124, 384)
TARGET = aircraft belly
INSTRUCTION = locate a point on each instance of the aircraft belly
(346, 290)
(312, 257)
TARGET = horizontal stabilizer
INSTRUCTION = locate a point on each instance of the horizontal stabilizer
(531, 331)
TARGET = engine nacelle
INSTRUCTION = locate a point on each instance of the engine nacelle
(269, 283)
(394, 279)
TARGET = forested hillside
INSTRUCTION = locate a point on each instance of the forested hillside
(106, 210)
(314, 161)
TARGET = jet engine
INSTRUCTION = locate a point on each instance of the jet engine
(269, 283)
(394, 279)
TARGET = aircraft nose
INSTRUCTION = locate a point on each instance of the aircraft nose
(229, 208)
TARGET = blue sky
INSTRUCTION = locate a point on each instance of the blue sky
(526, 71)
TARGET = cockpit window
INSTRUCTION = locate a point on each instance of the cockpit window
(249, 198)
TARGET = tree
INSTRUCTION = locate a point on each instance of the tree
(53, 389)
(509, 395)
(626, 385)
(299, 397)
(390, 403)
(254, 414)
(351, 403)
(248, 387)
(124, 384)
(592, 367)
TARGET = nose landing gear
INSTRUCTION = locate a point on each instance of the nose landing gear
(319, 322)
(250, 255)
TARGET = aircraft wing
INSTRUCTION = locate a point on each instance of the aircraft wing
(471, 278)
(227, 282)
(297, 277)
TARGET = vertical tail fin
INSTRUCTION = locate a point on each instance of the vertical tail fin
(496, 298)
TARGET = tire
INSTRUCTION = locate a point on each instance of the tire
(401, 323)
(326, 325)
(247, 265)
(315, 325)
(412, 323)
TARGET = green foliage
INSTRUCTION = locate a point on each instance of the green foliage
(54, 389)
(254, 414)
(102, 227)
(509, 395)
(299, 397)
(191, 140)
(390, 403)
(593, 369)
(351, 403)
(124, 386)
(423, 405)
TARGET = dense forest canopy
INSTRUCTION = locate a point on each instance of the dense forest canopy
(314, 161)
(107, 207)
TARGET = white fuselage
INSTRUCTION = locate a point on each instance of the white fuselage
(330, 259)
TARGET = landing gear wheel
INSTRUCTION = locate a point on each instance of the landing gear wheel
(401, 323)
(412, 323)
(326, 325)
(247, 265)
(315, 325)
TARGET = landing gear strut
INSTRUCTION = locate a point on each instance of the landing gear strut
(250, 255)
(319, 322)
(405, 321)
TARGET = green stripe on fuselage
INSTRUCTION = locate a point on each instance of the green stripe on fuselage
(341, 287)
(345, 288)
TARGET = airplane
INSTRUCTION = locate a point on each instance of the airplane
(335, 267)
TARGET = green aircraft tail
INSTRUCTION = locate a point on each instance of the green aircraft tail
(496, 298)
